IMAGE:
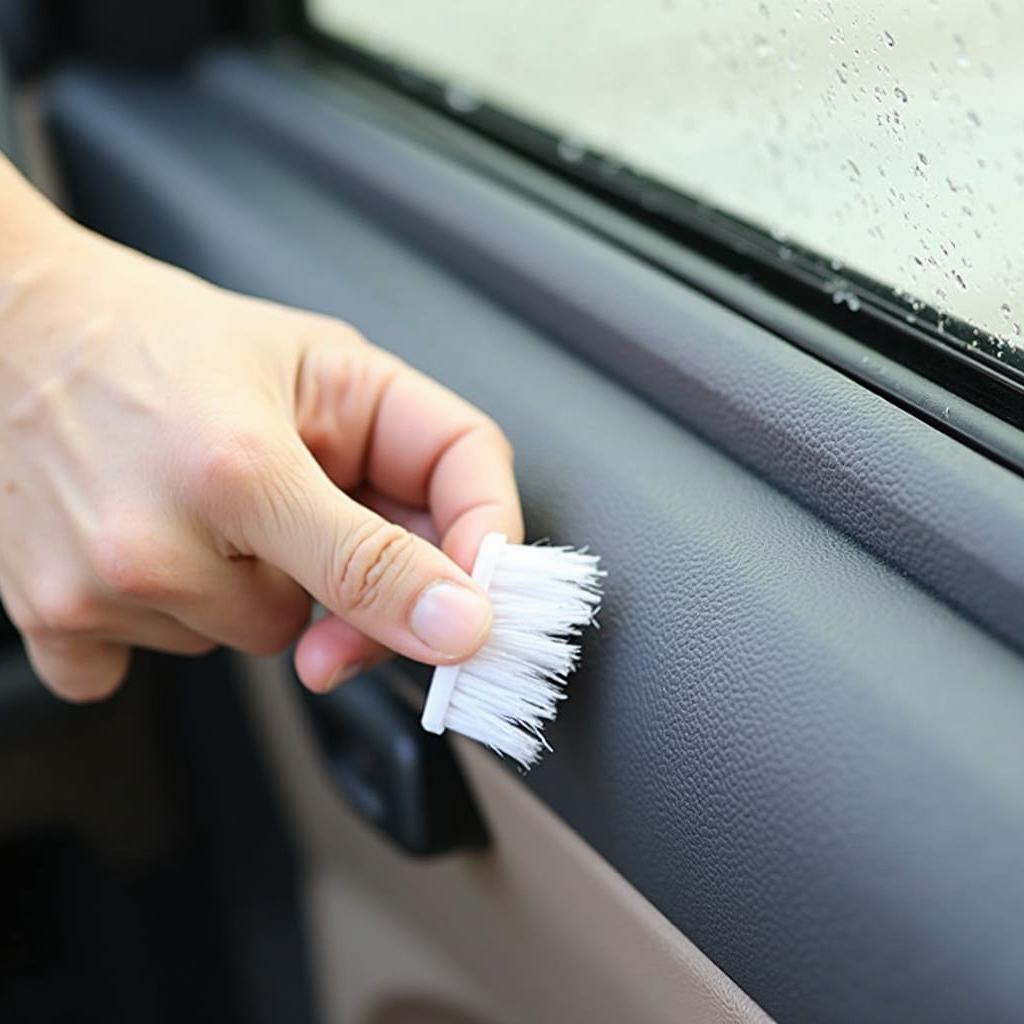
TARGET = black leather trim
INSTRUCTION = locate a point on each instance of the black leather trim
(808, 762)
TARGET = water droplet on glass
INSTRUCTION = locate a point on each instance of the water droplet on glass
(843, 296)
(571, 149)
(462, 98)
(1005, 310)
(961, 51)
(887, 36)
(972, 116)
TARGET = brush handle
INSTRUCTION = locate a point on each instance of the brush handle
(442, 683)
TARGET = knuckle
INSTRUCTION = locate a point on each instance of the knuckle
(373, 560)
(131, 566)
(491, 429)
(22, 615)
(231, 462)
(72, 608)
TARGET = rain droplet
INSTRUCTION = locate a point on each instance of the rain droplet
(1005, 310)
(961, 51)
(972, 116)
(887, 36)
(462, 98)
(842, 296)
(571, 149)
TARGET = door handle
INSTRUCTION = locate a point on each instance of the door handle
(402, 780)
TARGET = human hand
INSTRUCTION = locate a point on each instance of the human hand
(184, 466)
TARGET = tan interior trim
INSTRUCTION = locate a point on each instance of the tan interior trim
(539, 928)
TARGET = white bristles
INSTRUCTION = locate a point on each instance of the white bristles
(542, 597)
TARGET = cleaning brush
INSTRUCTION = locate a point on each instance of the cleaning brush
(502, 696)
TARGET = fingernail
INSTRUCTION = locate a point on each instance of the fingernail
(450, 619)
(343, 675)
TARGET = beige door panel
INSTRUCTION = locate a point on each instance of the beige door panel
(537, 928)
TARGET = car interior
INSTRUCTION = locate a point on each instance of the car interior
(788, 783)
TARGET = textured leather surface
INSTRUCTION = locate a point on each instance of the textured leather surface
(807, 762)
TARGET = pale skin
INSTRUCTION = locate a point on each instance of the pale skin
(185, 467)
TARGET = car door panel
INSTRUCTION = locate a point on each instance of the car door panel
(810, 650)
(508, 936)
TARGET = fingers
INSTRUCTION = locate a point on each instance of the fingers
(370, 419)
(240, 603)
(85, 667)
(429, 447)
(386, 582)
(158, 632)
(331, 652)
(415, 520)
(78, 669)
(472, 492)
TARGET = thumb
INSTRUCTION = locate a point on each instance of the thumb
(385, 581)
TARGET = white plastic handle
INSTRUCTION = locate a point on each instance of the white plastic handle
(442, 684)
